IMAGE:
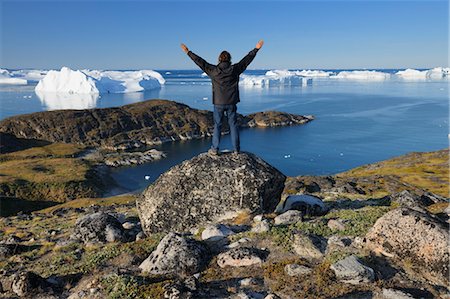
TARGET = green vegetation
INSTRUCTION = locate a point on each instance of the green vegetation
(49, 173)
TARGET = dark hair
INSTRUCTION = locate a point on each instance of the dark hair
(224, 57)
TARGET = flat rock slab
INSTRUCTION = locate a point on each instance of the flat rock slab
(352, 270)
(209, 188)
(309, 246)
(176, 254)
(241, 257)
(297, 270)
(98, 228)
(307, 204)
(289, 217)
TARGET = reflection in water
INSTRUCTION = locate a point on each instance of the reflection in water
(55, 101)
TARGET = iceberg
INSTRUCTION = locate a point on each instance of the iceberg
(313, 73)
(67, 81)
(29, 75)
(362, 75)
(7, 78)
(95, 81)
(64, 100)
(275, 78)
(435, 73)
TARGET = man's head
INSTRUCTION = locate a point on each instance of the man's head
(224, 57)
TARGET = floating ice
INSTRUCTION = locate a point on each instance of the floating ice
(147, 177)
(313, 73)
(94, 81)
(29, 75)
(435, 73)
(275, 78)
(7, 78)
(362, 75)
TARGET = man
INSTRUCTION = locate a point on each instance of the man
(225, 88)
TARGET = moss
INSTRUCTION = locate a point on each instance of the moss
(428, 171)
(120, 286)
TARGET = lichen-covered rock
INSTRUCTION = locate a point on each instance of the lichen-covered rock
(98, 228)
(351, 270)
(209, 188)
(176, 255)
(410, 199)
(309, 246)
(394, 294)
(241, 257)
(413, 236)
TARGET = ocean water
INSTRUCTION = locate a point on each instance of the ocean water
(357, 121)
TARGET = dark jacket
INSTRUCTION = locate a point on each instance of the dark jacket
(224, 77)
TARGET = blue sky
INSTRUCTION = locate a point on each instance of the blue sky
(298, 34)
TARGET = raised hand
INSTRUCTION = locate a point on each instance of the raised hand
(184, 48)
(259, 44)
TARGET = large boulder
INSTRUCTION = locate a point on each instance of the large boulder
(415, 237)
(208, 188)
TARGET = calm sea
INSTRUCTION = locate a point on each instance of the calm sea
(357, 122)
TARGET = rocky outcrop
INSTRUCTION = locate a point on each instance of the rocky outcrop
(98, 228)
(10, 143)
(415, 236)
(131, 126)
(207, 188)
(175, 255)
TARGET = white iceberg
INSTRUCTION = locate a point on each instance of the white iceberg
(7, 78)
(362, 75)
(30, 75)
(435, 73)
(94, 81)
(64, 100)
(313, 73)
(275, 78)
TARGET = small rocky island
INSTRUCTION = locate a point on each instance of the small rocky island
(132, 126)
(370, 232)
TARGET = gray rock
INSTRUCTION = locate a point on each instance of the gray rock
(132, 158)
(407, 234)
(140, 236)
(239, 242)
(241, 257)
(98, 228)
(412, 200)
(176, 254)
(208, 188)
(336, 224)
(309, 246)
(351, 270)
(289, 217)
(307, 204)
(296, 270)
(394, 294)
(338, 242)
(258, 218)
(128, 225)
(261, 227)
(218, 231)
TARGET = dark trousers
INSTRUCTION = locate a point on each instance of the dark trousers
(230, 111)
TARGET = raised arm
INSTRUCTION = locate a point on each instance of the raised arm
(202, 63)
(244, 63)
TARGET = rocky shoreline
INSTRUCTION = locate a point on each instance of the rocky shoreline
(366, 233)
